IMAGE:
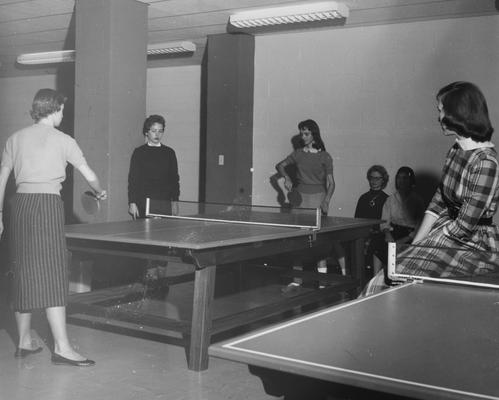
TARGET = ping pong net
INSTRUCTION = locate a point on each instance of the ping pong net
(468, 266)
(303, 218)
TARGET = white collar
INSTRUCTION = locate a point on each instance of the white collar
(310, 150)
(153, 144)
(470, 144)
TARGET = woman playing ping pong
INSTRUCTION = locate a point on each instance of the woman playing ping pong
(458, 220)
(153, 170)
(38, 155)
(315, 178)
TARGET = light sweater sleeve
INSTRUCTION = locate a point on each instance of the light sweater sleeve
(74, 155)
(7, 155)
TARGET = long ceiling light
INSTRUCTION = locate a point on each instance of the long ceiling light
(170, 48)
(51, 57)
(293, 14)
(47, 57)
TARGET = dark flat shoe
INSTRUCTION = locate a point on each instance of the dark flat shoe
(23, 353)
(60, 360)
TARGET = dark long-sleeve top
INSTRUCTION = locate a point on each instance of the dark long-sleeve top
(370, 204)
(154, 174)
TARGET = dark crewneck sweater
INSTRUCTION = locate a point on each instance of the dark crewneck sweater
(154, 174)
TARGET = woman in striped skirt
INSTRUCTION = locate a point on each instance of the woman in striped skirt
(38, 156)
(458, 222)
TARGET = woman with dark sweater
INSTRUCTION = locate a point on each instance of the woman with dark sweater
(153, 170)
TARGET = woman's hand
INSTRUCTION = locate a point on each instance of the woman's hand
(175, 207)
(133, 210)
(403, 240)
(102, 195)
(287, 183)
(325, 206)
(424, 228)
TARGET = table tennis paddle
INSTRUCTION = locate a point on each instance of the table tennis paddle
(294, 198)
(90, 202)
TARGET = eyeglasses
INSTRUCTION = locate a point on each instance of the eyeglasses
(375, 178)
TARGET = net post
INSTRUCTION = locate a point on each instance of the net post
(392, 258)
(147, 206)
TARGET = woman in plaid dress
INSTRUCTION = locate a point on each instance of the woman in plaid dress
(458, 221)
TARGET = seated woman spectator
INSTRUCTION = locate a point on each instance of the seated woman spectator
(458, 223)
(402, 212)
(459, 220)
(370, 205)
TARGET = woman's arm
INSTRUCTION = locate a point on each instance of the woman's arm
(281, 168)
(330, 186)
(479, 189)
(4, 177)
(175, 176)
(93, 181)
(425, 227)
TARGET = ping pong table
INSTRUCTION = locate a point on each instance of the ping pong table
(206, 245)
(418, 340)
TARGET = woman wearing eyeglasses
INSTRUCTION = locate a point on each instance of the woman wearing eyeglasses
(370, 205)
(153, 170)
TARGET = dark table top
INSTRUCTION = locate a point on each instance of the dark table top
(421, 340)
(199, 234)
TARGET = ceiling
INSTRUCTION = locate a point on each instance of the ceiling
(42, 25)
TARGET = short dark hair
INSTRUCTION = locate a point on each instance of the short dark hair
(150, 121)
(45, 103)
(381, 170)
(406, 170)
(313, 127)
(466, 111)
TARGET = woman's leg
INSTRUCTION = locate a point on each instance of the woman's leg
(340, 256)
(23, 321)
(57, 321)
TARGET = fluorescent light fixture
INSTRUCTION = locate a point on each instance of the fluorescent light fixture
(170, 48)
(51, 57)
(47, 57)
(292, 14)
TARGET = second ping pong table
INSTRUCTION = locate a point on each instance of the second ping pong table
(205, 245)
(418, 340)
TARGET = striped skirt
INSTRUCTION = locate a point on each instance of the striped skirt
(38, 251)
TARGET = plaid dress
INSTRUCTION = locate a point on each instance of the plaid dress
(467, 196)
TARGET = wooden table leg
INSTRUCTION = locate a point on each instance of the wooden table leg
(204, 287)
(358, 261)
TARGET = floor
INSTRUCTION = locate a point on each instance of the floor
(127, 368)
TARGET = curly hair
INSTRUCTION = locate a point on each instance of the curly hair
(381, 170)
(45, 103)
(151, 120)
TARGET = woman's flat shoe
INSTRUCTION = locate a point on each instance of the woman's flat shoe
(60, 360)
(23, 353)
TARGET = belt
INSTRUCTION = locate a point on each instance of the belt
(487, 221)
